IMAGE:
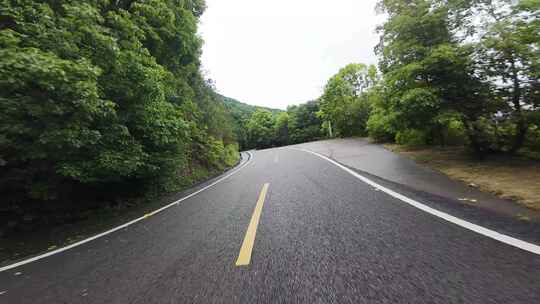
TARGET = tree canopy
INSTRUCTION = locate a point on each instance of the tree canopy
(102, 97)
(344, 104)
(439, 66)
(102, 94)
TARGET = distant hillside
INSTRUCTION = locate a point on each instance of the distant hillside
(241, 112)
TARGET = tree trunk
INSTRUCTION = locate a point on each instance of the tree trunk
(473, 134)
(521, 123)
(521, 132)
(330, 129)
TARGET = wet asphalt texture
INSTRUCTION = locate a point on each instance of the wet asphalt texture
(360, 154)
(323, 237)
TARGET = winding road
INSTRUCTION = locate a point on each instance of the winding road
(286, 226)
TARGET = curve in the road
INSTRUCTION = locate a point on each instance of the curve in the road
(447, 217)
(175, 203)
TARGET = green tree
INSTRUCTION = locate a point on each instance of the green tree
(260, 129)
(304, 122)
(344, 103)
(282, 129)
(508, 54)
(101, 96)
(427, 72)
(241, 112)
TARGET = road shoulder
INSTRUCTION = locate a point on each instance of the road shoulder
(30, 245)
(412, 180)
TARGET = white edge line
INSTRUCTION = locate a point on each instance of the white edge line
(445, 216)
(39, 257)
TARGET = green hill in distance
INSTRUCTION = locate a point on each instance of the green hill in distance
(241, 112)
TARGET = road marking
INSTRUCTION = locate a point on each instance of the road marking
(3, 292)
(462, 223)
(247, 246)
(175, 203)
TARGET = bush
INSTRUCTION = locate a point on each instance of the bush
(231, 155)
(380, 127)
(103, 98)
(533, 138)
(447, 130)
(533, 135)
(220, 156)
(411, 138)
(454, 133)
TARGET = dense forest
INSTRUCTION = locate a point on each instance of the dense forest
(461, 72)
(450, 73)
(260, 127)
(241, 113)
(103, 100)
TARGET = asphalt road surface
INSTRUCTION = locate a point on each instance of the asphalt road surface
(316, 235)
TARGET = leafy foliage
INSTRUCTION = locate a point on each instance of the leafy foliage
(436, 65)
(300, 123)
(451, 72)
(344, 103)
(100, 95)
(241, 113)
(304, 122)
(260, 129)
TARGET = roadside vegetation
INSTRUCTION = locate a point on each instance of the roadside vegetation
(260, 128)
(459, 72)
(241, 113)
(462, 73)
(516, 178)
(457, 75)
(102, 104)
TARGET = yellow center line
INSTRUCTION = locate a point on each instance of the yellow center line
(247, 246)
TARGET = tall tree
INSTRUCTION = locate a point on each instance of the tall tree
(304, 122)
(98, 96)
(344, 104)
(282, 129)
(260, 129)
(508, 53)
(426, 71)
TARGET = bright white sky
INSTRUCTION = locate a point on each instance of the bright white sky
(279, 52)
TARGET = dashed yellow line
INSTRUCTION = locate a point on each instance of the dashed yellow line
(244, 257)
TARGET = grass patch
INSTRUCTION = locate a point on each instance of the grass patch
(509, 177)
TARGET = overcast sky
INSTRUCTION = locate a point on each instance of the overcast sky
(281, 52)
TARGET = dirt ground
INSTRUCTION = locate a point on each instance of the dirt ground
(516, 178)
